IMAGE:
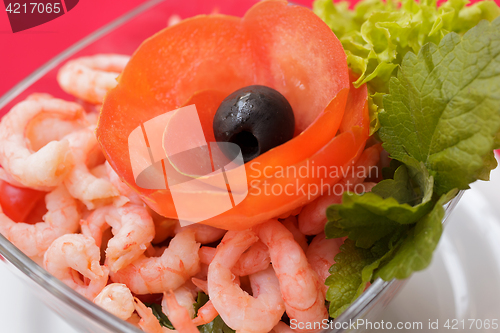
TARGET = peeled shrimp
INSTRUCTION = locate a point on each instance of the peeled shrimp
(281, 327)
(312, 218)
(148, 323)
(50, 126)
(177, 264)
(201, 284)
(204, 234)
(76, 253)
(132, 227)
(47, 167)
(321, 254)
(90, 78)
(300, 286)
(253, 260)
(80, 183)
(34, 239)
(240, 311)
(123, 189)
(178, 315)
(291, 224)
(184, 297)
(206, 314)
(117, 299)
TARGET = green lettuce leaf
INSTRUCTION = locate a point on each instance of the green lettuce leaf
(368, 217)
(346, 282)
(444, 108)
(215, 326)
(415, 251)
(354, 268)
(158, 313)
(377, 34)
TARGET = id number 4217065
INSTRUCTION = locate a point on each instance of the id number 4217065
(471, 324)
(33, 7)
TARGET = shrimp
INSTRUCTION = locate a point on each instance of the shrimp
(207, 254)
(178, 315)
(117, 299)
(201, 284)
(206, 314)
(34, 239)
(148, 323)
(133, 231)
(321, 254)
(49, 126)
(123, 189)
(47, 167)
(177, 264)
(292, 225)
(312, 218)
(281, 327)
(80, 183)
(76, 253)
(253, 260)
(90, 78)
(205, 234)
(184, 297)
(240, 311)
(299, 283)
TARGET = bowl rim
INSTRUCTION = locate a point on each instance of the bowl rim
(15, 258)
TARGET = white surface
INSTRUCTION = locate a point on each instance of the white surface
(462, 282)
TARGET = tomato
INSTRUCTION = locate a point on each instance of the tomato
(203, 59)
(17, 203)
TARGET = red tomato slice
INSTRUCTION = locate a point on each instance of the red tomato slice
(205, 58)
(17, 202)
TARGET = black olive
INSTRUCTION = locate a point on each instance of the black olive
(256, 118)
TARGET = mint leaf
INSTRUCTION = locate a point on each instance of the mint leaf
(158, 313)
(201, 300)
(346, 282)
(216, 326)
(415, 252)
(400, 188)
(368, 217)
(444, 108)
(354, 267)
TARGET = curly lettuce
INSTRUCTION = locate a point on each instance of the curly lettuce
(377, 35)
(440, 126)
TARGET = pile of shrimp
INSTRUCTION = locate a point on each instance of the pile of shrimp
(98, 237)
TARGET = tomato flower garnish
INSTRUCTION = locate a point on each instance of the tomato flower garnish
(203, 59)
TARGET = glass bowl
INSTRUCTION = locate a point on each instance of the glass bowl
(124, 35)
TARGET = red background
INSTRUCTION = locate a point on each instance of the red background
(23, 52)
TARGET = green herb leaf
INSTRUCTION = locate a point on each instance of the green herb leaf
(346, 282)
(368, 217)
(444, 110)
(377, 34)
(417, 248)
(216, 326)
(158, 313)
(201, 300)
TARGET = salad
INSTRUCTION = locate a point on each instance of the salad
(348, 127)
